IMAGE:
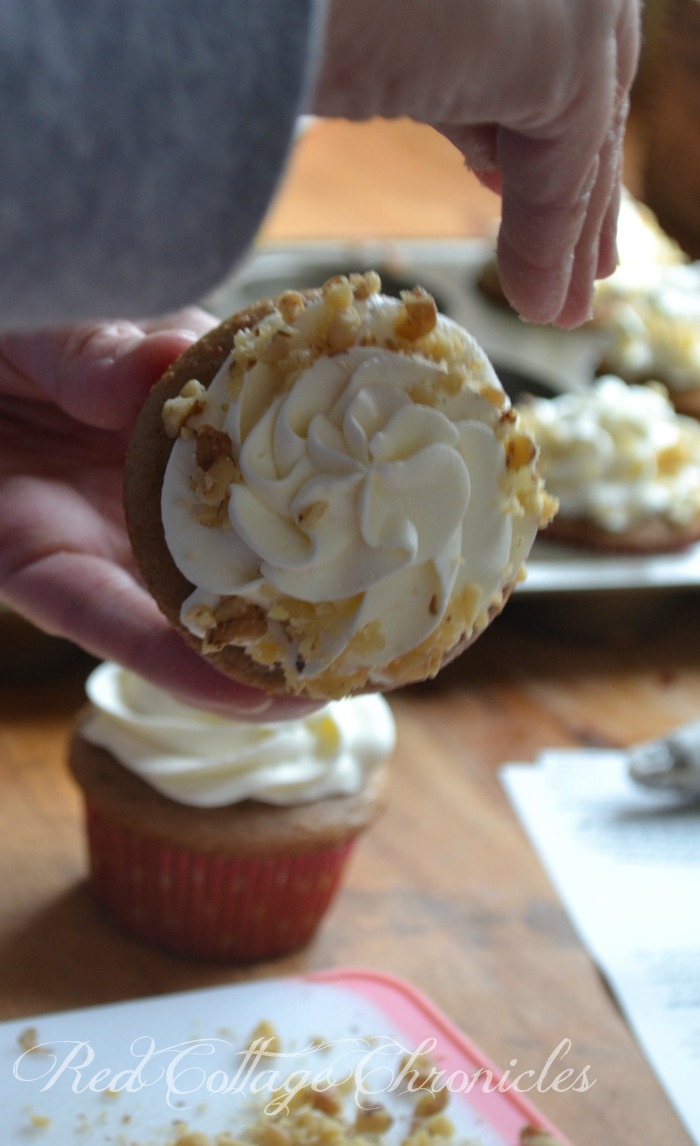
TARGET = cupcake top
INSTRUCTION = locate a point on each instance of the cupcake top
(617, 454)
(200, 759)
(355, 475)
(650, 306)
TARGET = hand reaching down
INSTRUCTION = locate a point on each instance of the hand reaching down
(534, 95)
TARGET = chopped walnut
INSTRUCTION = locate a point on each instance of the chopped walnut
(236, 621)
(265, 1032)
(373, 1120)
(520, 451)
(217, 469)
(211, 444)
(39, 1121)
(337, 293)
(342, 330)
(28, 1039)
(177, 411)
(327, 1101)
(492, 394)
(278, 347)
(365, 285)
(273, 1135)
(440, 1126)
(290, 305)
(193, 1138)
(432, 1102)
(420, 315)
(535, 1136)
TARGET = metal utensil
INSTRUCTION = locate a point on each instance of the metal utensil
(671, 762)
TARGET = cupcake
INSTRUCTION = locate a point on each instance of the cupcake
(624, 466)
(330, 493)
(648, 311)
(216, 838)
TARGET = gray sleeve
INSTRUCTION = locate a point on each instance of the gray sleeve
(142, 141)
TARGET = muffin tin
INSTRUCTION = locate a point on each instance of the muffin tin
(529, 359)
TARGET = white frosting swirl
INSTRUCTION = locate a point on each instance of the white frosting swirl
(617, 454)
(650, 306)
(197, 758)
(353, 490)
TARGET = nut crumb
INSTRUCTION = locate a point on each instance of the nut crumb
(373, 1120)
(39, 1121)
(266, 1038)
(420, 315)
(28, 1040)
(536, 1136)
(176, 411)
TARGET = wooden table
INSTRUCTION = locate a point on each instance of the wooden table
(444, 891)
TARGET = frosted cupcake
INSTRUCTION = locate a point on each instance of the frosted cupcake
(217, 838)
(330, 493)
(624, 466)
(649, 310)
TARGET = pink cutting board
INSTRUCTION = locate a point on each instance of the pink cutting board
(145, 1070)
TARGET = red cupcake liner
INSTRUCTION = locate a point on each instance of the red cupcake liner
(210, 906)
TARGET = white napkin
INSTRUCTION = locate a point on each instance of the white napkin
(624, 857)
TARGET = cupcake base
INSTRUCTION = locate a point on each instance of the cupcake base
(655, 536)
(246, 882)
(210, 906)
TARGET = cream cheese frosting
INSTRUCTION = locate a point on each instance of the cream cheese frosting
(376, 487)
(618, 454)
(204, 760)
(650, 305)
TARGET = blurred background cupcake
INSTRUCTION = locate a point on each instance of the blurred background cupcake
(623, 465)
(218, 838)
(648, 312)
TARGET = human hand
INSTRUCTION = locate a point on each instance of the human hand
(68, 400)
(535, 96)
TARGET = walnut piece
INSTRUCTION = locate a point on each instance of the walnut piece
(177, 411)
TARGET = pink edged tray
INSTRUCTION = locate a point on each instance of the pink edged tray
(149, 1070)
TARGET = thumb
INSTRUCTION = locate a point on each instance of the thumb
(100, 372)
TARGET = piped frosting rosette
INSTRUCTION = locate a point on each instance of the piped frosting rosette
(350, 498)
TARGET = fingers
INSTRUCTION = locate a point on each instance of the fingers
(595, 254)
(99, 606)
(555, 155)
(558, 220)
(100, 373)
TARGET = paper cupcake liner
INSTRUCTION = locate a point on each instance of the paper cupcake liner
(210, 906)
